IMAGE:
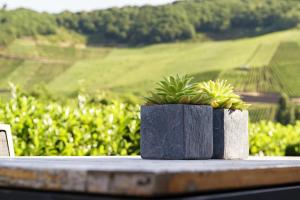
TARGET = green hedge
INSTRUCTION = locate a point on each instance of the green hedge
(84, 128)
(79, 128)
(272, 139)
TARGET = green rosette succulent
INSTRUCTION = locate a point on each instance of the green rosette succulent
(181, 90)
(173, 90)
(219, 94)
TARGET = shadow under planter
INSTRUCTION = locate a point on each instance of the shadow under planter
(177, 132)
(230, 134)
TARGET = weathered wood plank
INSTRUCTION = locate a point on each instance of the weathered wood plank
(137, 177)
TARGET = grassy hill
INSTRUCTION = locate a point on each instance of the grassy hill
(63, 64)
(267, 63)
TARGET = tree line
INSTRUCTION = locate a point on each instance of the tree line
(23, 22)
(154, 24)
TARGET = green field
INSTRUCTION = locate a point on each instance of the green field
(267, 63)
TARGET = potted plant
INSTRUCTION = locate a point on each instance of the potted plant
(173, 126)
(230, 120)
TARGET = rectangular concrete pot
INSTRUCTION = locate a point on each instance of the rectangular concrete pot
(176, 132)
(230, 134)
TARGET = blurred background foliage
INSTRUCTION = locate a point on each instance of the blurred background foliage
(82, 127)
(78, 127)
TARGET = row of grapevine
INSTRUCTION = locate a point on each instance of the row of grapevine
(70, 53)
(262, 112)
(285, 64)
(28, 63)
(253, 79)
(273, 77)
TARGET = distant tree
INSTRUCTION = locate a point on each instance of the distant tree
(285, 113)
(181, 20)
(297, 113)
(154, 24)
(4, 6)
(23, 22)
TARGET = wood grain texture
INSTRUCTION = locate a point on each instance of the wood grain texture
(137, 177)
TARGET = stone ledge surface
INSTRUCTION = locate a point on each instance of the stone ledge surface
(137, 177)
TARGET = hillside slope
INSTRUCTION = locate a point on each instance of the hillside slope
(243, 62)
(267, 63)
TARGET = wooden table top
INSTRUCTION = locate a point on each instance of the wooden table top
(134, 176)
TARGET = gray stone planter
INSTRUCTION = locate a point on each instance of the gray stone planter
(176, 132)
(230, 134)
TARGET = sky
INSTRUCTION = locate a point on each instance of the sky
(55, 6)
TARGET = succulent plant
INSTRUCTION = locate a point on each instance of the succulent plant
(181, 90)
(219, 94)
(173, 90)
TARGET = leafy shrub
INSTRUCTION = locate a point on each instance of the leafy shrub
(83, 128)
(80, 129)
(293, 150)
(297, 113)
(285, 113)
(272, 139)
